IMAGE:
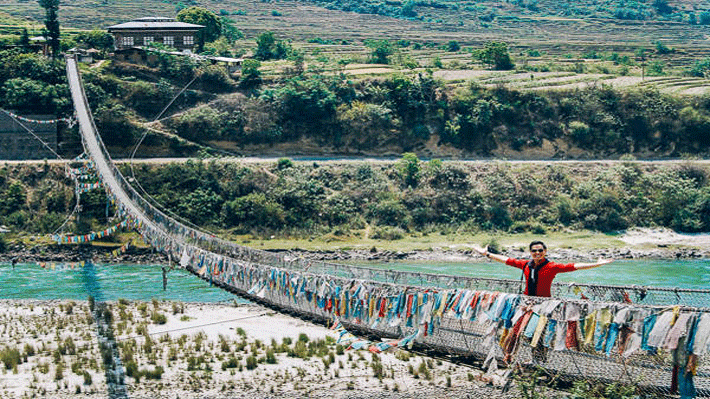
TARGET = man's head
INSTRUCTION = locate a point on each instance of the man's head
(538, 250)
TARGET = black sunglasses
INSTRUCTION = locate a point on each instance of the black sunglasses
(537, 250)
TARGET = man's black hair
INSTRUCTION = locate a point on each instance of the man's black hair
(532, 244)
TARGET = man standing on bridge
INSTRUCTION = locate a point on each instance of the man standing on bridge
(538, 271)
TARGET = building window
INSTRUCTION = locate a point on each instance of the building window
(188, 40)
(169, 40)
(147, 40)
(127, 41)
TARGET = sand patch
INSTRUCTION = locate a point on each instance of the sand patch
(661, 236)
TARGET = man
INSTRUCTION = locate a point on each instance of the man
(539, 272)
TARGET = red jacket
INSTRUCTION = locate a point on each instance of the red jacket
(545, 275)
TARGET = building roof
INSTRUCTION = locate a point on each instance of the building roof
(155, 23)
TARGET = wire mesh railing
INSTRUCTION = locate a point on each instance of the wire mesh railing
(654, 339)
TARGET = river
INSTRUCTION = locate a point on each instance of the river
(145, 282)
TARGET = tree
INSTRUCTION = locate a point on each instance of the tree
(496, 55)
(453, 46)
(381, 50)
(51, 23)
(662, 7)
(408, 9)
(409, 169)
(251, 76)
(229, 31)
(25, 39)
(268, 48)
(200, 16)
(98, 39)
(265, 43)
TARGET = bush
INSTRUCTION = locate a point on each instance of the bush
(270, 357)
(199, 124)
(388, 233)
(251, 362)
(155, 374)
(215, 78)
(158, 318)
(10, 357)
(87, 378)
(284, 163)
(391, 213)
(231, 363)
(132, 370)
(381, 51)
(253, 210)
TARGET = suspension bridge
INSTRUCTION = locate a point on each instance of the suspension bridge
(655, 339)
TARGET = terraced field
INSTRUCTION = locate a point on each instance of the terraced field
(569, 80)
(552, 47)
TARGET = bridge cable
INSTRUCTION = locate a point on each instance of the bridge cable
(30, 131)
(133, 175)
(66, 165)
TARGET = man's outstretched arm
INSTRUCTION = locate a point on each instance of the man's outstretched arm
(484, 252)
(599, 262)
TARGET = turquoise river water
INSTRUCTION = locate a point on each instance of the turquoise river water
(145, 282)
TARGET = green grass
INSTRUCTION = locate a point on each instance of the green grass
(584, 240)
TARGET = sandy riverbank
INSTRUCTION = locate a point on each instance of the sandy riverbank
(207, 351)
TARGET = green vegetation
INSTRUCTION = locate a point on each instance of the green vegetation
(200, 16)
(268, 48)
(51, 23)
(495, 54)
(487, 11)
(422, 196)
(397, 113)
(96, 38)
(394, 199)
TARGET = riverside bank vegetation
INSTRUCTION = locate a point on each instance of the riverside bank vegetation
(381, 200)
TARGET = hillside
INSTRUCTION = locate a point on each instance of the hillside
(583, 85)
(524, 22)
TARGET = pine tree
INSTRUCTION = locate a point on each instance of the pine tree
(51, 23)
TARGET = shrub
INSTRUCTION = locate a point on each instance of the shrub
(87, 378)
(158, 318)
(381, 51)
(216, 79)
(231, 363)
(284, 163)
(251, 362)
(10, 357)
(268, 48)
(199, 124)
(59, 372)
(132, 370)
(270, 357)
(155, 374)
(388, 233)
